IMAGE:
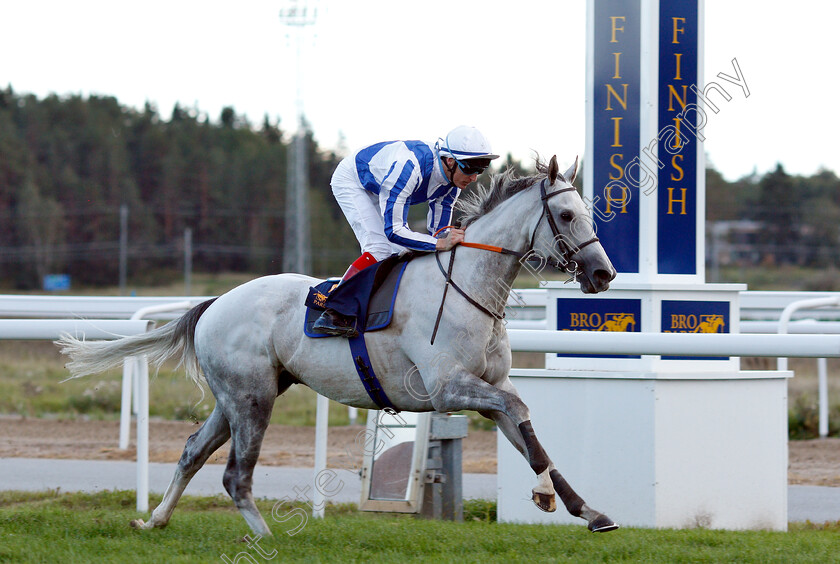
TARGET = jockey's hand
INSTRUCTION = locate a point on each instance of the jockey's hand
(452, 238)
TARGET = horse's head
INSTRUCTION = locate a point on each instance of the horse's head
(565, 236)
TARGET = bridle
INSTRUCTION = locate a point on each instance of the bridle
(564, 263)
(567, 251)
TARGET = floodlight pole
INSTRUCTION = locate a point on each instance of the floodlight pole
(297, 15)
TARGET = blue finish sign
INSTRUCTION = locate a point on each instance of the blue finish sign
(580, 314)
(687, 316)
(615, 107)
(677, 152)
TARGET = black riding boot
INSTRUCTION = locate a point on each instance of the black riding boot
(333, 323)
(337, 324)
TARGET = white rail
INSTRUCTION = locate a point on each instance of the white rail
(792, 308)
(811, 313)
(108, 323)
(822, 366)
(674, 344)
(757, 305)
(91, 307)
(51, 329)
(800, 327)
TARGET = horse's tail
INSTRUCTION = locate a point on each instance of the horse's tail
(92, 357)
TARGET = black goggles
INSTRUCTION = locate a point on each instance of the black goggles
(469, 168)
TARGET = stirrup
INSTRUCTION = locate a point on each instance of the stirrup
(335, 324)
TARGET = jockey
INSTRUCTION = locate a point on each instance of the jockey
(375, 187)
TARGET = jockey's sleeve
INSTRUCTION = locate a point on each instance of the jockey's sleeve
(440, 210)
(394, 196)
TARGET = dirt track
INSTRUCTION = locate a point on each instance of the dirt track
(283, 445)
(815, 462)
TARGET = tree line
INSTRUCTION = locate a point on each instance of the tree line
(777, 218)
(68, 164)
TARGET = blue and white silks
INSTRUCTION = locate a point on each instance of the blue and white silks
(401, 174)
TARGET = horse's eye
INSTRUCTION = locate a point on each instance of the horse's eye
(566, 215)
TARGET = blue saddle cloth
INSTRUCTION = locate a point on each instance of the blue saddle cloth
(369, 295)
(372, 292)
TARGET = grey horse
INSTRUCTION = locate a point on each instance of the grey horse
(249, 344)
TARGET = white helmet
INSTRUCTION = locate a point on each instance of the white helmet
(466, 143)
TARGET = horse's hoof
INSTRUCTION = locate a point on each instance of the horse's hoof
(602, 524)
(545, 501)
(137, 524)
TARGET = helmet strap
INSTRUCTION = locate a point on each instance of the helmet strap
(451, 169)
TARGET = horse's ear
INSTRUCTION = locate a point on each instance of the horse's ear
(571, 174)
(553, 170)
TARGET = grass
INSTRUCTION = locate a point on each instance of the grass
(54, 527)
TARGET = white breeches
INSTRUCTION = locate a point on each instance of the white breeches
(361, 208)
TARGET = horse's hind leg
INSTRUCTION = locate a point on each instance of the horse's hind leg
(248, 431)
(210, 436)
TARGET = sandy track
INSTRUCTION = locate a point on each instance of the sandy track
(814, 462)
(283, 445)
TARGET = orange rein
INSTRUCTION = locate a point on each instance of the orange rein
(482, 246)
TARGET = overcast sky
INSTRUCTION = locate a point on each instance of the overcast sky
(377, 70)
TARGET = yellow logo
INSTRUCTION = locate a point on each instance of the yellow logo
(320, 299)
(690, 323)
(617, 322)
(594, 321)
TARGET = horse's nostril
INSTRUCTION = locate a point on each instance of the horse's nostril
(602, 275)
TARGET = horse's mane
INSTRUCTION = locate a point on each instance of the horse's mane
(481, 200)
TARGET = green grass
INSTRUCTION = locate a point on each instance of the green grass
(52, 527)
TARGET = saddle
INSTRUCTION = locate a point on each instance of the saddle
(376, 288)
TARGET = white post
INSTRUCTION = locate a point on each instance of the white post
(822, 370)
(125, 411)
(142, 434)
(135, 403)
(321, 425)
(141, 379)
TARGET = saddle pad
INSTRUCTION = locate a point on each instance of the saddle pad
(380, 309)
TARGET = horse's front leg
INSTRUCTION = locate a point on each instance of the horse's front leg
(467, 391)
(543, 494)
